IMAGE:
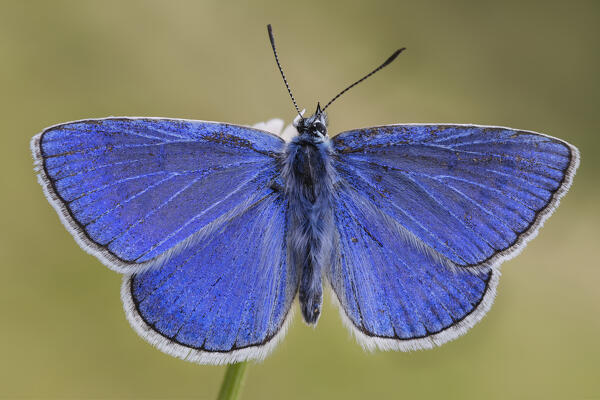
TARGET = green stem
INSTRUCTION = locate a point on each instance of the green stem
(232, 382)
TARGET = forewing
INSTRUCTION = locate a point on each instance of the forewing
(129, 189)
(394, 292)
(474, 194)
(224, 297)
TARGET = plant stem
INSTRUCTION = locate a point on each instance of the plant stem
(232, 382)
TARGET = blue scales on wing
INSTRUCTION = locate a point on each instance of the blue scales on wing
(394, 291)
(473, 194)
(129, 189)
(425, 214)
(225, 296)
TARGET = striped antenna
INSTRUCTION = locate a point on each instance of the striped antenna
(270, 30)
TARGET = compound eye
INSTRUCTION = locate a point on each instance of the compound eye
(319, 126)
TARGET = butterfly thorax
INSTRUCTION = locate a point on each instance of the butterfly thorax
(308, 186)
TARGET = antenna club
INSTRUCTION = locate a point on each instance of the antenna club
(393, 56)
(270, 30)
(385, 63)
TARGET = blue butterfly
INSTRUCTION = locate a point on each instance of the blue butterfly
(217, 228)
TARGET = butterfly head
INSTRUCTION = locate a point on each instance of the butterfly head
(315, 125)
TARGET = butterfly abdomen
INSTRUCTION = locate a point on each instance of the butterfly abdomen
(308, 175)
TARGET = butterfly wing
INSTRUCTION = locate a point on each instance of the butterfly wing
(224, 297)
(129, 189)
(394, 292)
(474, 194)
(425, 214)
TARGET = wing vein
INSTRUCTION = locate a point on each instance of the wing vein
(411, 217)
(171, 176)
(203, 212)
(154, 210)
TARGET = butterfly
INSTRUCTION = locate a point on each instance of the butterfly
(217, 228)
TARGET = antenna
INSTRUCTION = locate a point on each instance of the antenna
(272, 39)
(387, 62)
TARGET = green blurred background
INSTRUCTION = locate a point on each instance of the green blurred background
(530, 65)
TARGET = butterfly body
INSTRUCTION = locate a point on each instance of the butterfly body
(309, 187)
(218, 227)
